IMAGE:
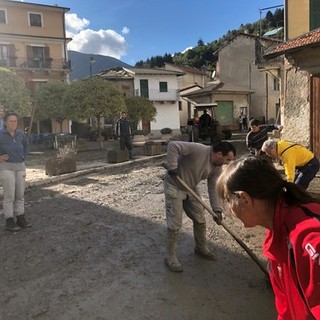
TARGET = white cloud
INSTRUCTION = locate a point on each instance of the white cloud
(104, 42)
(75, 24)
(125, 30)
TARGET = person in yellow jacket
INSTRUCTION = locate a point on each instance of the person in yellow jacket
(300, 164)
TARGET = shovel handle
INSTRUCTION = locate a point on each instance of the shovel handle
(236, 238)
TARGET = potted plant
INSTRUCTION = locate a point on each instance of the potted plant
(65, 162)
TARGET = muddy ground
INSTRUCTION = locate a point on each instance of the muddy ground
(96, 251)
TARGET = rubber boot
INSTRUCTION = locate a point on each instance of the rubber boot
(201, 249)
(171, 261)
(22, 222)
(11, 225)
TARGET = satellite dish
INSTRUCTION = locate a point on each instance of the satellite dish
(213, 75)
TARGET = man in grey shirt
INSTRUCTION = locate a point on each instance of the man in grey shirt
(192, 162)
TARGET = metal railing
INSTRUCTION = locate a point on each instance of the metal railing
(35, 63)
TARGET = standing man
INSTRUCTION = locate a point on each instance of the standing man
(300, 164)
(192, 162)
(258, 134)
(123, 130)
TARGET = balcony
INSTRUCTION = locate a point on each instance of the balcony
(156, 95)
(35, 64)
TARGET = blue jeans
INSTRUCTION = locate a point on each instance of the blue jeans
(305, 174)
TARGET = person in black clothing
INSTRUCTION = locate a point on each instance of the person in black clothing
(258, 134)
(123, 130)
(245, 122)
(205, 120)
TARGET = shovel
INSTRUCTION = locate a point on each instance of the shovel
(209, 209)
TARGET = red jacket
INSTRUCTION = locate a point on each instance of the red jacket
(293, 251)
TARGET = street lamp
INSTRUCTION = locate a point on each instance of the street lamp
(91, 61)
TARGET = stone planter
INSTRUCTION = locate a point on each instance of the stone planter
(152, 148)
(58, 166)
(117, 155)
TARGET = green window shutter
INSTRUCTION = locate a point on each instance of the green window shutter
(144, 88)
(314, 14)
(163, 86)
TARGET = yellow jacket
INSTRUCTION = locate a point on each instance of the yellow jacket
(296, 156)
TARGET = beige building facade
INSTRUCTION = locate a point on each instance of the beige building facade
(301, 16)
(33, 44)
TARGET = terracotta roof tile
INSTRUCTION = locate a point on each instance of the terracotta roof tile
(311, 38)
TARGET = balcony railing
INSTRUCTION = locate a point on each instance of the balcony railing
(156, 95)
(35, 63)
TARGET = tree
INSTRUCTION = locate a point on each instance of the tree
(94, 97)
(49, 102)
(13, 94)
(140, 109)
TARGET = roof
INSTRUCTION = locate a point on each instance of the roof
(248, 35)
(130, 73)
(273, 32)
(185, 69)
(192, 86)
(309, 39)
(219, 88)
(155, 71)
(34, 4)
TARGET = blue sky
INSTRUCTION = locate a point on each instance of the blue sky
(134, 30)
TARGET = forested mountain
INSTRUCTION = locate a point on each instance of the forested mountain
(83, 65)
(202, 54)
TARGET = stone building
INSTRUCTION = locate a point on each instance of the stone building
(300, 73)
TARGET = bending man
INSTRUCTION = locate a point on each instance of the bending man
(192, 162)
(300, 164)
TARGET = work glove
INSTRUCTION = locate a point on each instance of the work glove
(173, 173)
(218, 217)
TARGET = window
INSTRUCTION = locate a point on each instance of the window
(38, 57)
(4, 52)
(180, 105)
(144, 88)
(275, 84)
(3, 16)
(163, 86)
(35, 19)
(314, 14)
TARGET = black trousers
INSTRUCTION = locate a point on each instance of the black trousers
(125, 143)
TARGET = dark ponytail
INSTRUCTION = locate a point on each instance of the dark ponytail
(260, 180)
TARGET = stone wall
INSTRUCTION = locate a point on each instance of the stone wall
(296, 114)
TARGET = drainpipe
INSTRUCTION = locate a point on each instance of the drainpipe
(267, 99)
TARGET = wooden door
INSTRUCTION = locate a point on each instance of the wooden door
(315, 115)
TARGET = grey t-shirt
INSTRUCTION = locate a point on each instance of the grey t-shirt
(194, 164)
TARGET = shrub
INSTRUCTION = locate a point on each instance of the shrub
(166, 131)
(67, 152)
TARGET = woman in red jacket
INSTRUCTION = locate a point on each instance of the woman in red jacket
(257, 195)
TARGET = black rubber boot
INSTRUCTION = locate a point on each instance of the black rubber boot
(22, 222)
(11, 225)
